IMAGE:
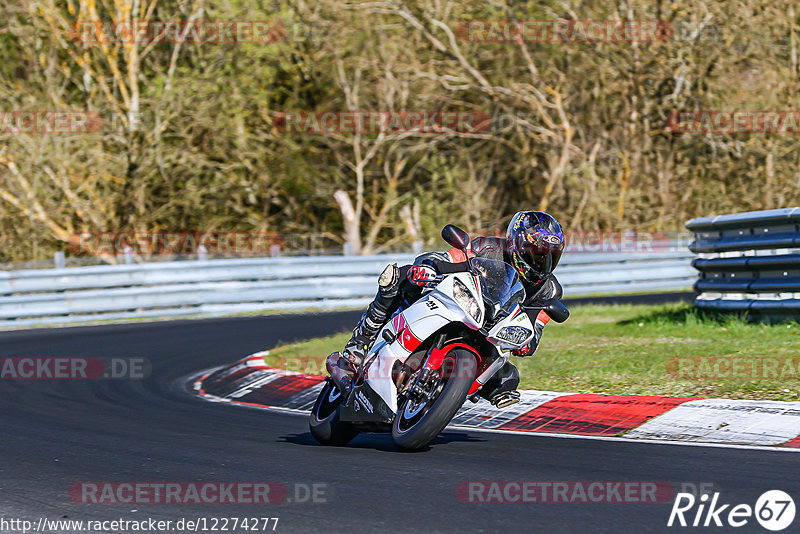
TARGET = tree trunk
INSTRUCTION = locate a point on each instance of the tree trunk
(352, 226)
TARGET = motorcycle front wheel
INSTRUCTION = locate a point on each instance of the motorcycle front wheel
(417, 423)
(324, 422)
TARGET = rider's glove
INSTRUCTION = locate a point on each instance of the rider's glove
(422, 275)
(527, 350)
(538, 327)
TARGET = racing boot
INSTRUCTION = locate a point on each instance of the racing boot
(379, 311)
(505, 398)
(501, 389)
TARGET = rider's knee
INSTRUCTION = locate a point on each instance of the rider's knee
(506, 379)
(510, 374)
(389, 279)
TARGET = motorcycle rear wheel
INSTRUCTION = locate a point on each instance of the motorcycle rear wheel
(415, 425)
(324, 421)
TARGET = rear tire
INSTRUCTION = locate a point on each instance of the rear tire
(324, 421)
(410, 431)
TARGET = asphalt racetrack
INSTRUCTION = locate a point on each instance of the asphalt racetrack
(57, 433)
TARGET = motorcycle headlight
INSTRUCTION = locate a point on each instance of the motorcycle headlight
(514, 334)
(466, 300)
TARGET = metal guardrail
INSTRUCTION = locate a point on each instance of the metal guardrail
(749, 262)
(213, 287)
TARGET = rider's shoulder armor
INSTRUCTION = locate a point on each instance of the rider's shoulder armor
(432, 258)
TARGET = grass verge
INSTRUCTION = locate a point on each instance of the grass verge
(669, 349)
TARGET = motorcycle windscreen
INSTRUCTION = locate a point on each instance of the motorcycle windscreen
(500, 286)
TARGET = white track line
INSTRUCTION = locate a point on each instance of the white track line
(193, 380)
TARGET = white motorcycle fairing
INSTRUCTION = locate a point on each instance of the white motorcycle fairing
(457, 298)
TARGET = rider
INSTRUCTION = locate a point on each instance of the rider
(533, 245)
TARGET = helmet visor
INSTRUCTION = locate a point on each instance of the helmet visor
(537, 260)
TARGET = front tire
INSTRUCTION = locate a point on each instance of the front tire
(415, 426)
(324, 421)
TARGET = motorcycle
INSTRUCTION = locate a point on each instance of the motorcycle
(431, 356)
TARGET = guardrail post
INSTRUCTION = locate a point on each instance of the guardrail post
(59, 260)
(129, 259)
(202, 253)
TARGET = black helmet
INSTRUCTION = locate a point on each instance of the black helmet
(534, 241)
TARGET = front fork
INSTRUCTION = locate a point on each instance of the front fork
(426, 371)
(489, 372)
(434, 360)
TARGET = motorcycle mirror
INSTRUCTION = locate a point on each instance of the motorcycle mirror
(455, 236)
(556, 310)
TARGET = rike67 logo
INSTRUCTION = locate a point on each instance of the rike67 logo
(774, 510)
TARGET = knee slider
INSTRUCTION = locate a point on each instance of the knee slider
(389, 279)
